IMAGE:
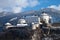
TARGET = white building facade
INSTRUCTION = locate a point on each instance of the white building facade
(32, 19)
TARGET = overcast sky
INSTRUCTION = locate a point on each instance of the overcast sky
(17, 6)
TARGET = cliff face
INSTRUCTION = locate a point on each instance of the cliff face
(56, 24)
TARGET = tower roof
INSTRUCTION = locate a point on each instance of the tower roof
(21, 21)
(44, 14)
(8, 24)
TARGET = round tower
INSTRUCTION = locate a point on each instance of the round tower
(8, 25)
(21, 21)
(45, 17)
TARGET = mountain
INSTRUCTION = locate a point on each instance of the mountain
(7, 16)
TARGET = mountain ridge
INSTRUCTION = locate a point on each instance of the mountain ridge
(9, 15)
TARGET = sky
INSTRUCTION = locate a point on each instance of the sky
(17, 6)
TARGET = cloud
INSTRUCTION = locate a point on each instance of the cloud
(17, 5)
(1, 10)
(33, 3)
(16, 9)
(55, 7)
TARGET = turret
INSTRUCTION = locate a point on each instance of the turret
(22, 23)
(45, 17)
(8, 25)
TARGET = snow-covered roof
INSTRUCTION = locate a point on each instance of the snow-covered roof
(8, 24)
(44, 14)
